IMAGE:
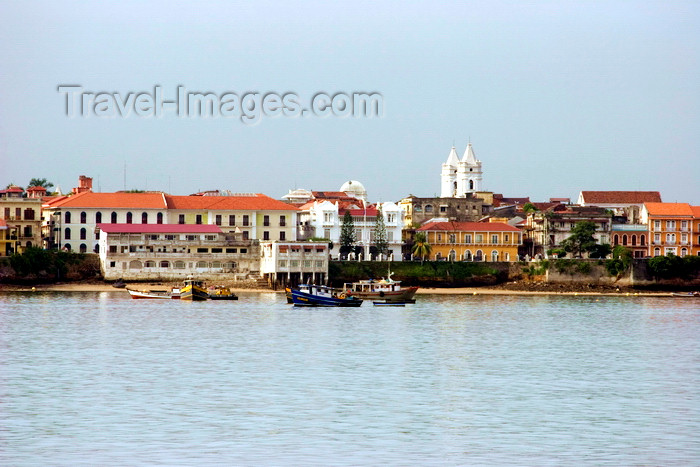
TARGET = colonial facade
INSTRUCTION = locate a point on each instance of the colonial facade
(670, 228)
(283, 263)
(624, 204)
(417, 210)
(472, 241)
(460, 177)
(173, 251)
(22, 216)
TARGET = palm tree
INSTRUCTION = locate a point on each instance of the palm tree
(421, 247)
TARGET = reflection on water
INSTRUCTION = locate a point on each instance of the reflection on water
(100, 379)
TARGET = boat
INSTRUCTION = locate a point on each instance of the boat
(154, 294)
(193, 290)
(221, 292)
(686, 294)
(384, 290)
(322, 295)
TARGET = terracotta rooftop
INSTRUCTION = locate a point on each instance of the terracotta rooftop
(621, 197)
(469, 227)
(159, 228)
(258, 202)
(89, 199)
(669, 209)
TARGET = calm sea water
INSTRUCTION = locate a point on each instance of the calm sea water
(102, 380)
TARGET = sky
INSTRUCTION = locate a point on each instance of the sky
(555, 96)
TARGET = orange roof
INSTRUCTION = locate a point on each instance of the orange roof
(89, 199)
(257, 202)
(621, 197)
(696, 211)
(669, 209)
(469, 227)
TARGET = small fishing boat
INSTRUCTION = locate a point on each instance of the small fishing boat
(321, 295)
(221, 292)
(384, 290)
(193, 290)
(153, 294)
(686, 294)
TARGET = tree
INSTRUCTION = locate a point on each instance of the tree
(581, 239)
(421, 247)
(347, 234)
(42, 182)
(529, 207)
(600, 251)
(380, 242)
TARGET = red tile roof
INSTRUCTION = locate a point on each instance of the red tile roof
(469, 227)
(159, 228)
(621, 197)
(696, 211)
(669, 209)
(258, 202)
(89, 199)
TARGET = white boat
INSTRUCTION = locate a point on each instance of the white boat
(387, 290)
(153, 294)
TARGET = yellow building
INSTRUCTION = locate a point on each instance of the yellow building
(670, 228)
(472, 241)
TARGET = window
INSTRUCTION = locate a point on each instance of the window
(468, 239)
(210, 238)
(198, 219)
(246, 236)
(327, 217)
(390, 236)
(29, 214)
(494, 239)
(246, 220)
(144, 218)
(244, 251)
(98, 218)
(217, 250)
(634, 240)
(657, 225)
(150, 264)
(201, 264)
(479, 238)
(202, 250)
(657, 239)
(624, 240)
(467, 255)
(670, 225)
(113, 248)
(83, 217)
(439, 237)
(453, 238)
(494, 255)
(327, 233)
(159, 218)
(67, 234)
(217, 219)
(191, 238)
(391, 218)
(136, 264)
(231, 219)
(129, 218)
(283, 221)
(170, 237)
(266, 221)
(418, 208)
(443, 209)
(670, 238)
(179, 265)
(283, 236)
(83, 248)
(66, 219)
(282, 263)
(428, 208)
(506, 237)
(113, 218)
(83, 233)
(479, 256)
(684, 225)
(642, 240)
(165, 264)
(181, 219)
(231, 250)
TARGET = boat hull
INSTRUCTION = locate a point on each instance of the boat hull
(194, 293)
(148, 295)
(306, 299)
(405, 294)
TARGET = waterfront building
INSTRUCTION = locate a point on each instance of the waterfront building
(285, 263)
(623, 204)
(7, 241)
(472, 241)
(171, 252)
(549, 228)
(22, 216)
(461, 177)
(632, 236)
(669, 227)
(417, 211)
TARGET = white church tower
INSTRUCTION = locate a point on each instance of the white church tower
(460, 177)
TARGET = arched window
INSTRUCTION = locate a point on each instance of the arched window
(642, 240)
(98, 217)
(83, 217)
(634, 240)
(179, 265)
(159, 218)
(165, 264)
(468, 255)
(452, 256)
(201, 264)
(624, 239)
(428, 208)
(67, 246)
(438, 257)
(66, 218)
(67, 234)
(144, 218)
(657, 251)
(136, 264)
(471, 184)
(150, 264)
(96, 249)
(216, 265)
(97, 234)
(129, 218)
(83, 248)
(616, 240)
(479, 256)
(494, 255)
(114, 218)
(83, 233)
(684, 251)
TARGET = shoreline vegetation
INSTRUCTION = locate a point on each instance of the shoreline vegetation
(509, 288)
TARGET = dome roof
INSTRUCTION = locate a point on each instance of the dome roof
(354, 188)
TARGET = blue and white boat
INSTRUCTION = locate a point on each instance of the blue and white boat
(321, 295)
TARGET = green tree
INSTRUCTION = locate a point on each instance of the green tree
(529, 207)
(620, 262)
(42, 182)
(581, 239)
(421, 247)
(347, 234)
(600, 251)
(380, 242)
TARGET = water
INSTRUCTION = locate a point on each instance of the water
(100, 379)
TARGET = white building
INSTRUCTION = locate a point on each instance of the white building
(283, 263)
(460, 177)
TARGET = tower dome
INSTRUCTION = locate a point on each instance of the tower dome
(354, 188)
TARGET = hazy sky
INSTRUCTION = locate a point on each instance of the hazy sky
(555, 96)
